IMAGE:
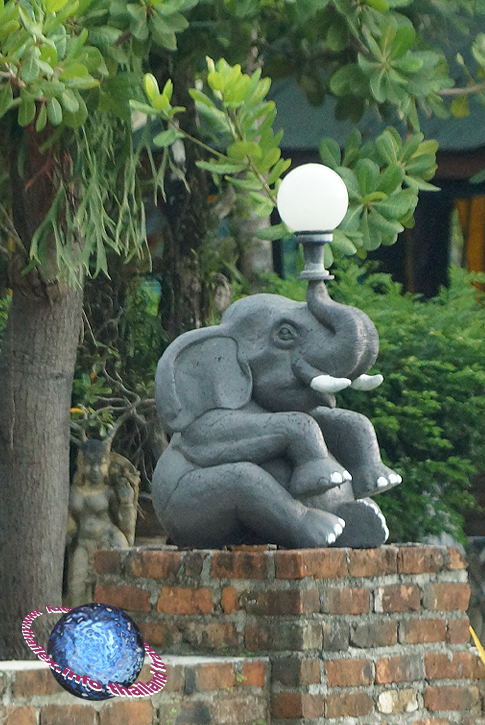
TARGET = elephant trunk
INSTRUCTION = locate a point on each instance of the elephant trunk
(356, 338)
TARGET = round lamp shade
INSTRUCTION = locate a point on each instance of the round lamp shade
(312, 198)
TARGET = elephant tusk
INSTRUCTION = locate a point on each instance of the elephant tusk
(329, 384)
(367, 382)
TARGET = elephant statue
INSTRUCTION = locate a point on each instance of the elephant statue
(258, 452)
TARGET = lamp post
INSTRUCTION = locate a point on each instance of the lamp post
(312, 200)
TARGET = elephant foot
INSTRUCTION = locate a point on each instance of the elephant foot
(317, 476)
(372, 480)
(365, 525)
(320, 528)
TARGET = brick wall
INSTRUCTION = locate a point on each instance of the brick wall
(199, 691)
(353, 636)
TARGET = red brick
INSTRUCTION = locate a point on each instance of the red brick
(372, 562)
(445, 597)
(352, 704)
(350, 600)
(62, 714)
(127, 713)
(420, 560)
(107, 561)
(295, 672)
(158, 633)
(256, 637)
(212, 636)
(288, 705)
(215, 676)
(254, 674)
(316, 563)
(458, 631)
(406, 668)
(456, 560)
(123, 597)
(349, 673)
(378, 634)
(283, 602)
(397, 598)
(422, 630)
(450, 698)
(154, 564)
(448, 666)
(229, 600)
(194, 561)
(240, 565)
(22, 715)
(175, 678)
(185, 600)
(35, 682)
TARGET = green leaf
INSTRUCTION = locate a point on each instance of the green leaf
(403, 41)
(279, 169)
(41, 119)
(53, 6)
(459, 106)
(398, 204)
(246, 184)
(104, 35)
(367, 175)
(411, 146)
(340, 82)
(276, 231)
(6, 98)
(269, 160)
(69, 101)
(390, 179)
(54, 111)
(75, 70)
(151, 86)
(242, 149)
(30, 68)
(166, 138)
(408, 65)
(2, 5)
(342, 243)
(77, 119)
(26, 112)
(329, 151)
(352, 147)
(380, 5)
(221, 167)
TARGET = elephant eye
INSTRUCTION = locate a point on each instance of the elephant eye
(286, 333)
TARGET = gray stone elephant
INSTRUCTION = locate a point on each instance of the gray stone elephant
(259, 453)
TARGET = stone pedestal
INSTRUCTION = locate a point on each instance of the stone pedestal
(353, 637)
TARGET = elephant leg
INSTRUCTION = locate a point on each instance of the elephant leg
(217, 506)
(365, 525)
(351, 438)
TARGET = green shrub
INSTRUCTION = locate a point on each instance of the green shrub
(429, 413)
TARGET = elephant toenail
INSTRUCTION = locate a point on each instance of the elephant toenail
(382, 481)
(336, 477)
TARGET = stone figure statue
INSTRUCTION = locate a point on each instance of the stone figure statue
(102, 512)
(259, 453)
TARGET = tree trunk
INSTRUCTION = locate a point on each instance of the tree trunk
(36, 370)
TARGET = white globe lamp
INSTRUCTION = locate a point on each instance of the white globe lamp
(312, 201)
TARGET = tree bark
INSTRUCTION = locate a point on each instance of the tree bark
(36, 370)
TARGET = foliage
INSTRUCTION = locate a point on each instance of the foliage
(429, 413)
(70, 68)
(242, 117)
(383, 178)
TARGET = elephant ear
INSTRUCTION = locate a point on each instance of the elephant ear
(198, 372)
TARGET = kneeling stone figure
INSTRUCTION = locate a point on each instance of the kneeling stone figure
(259, 453)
